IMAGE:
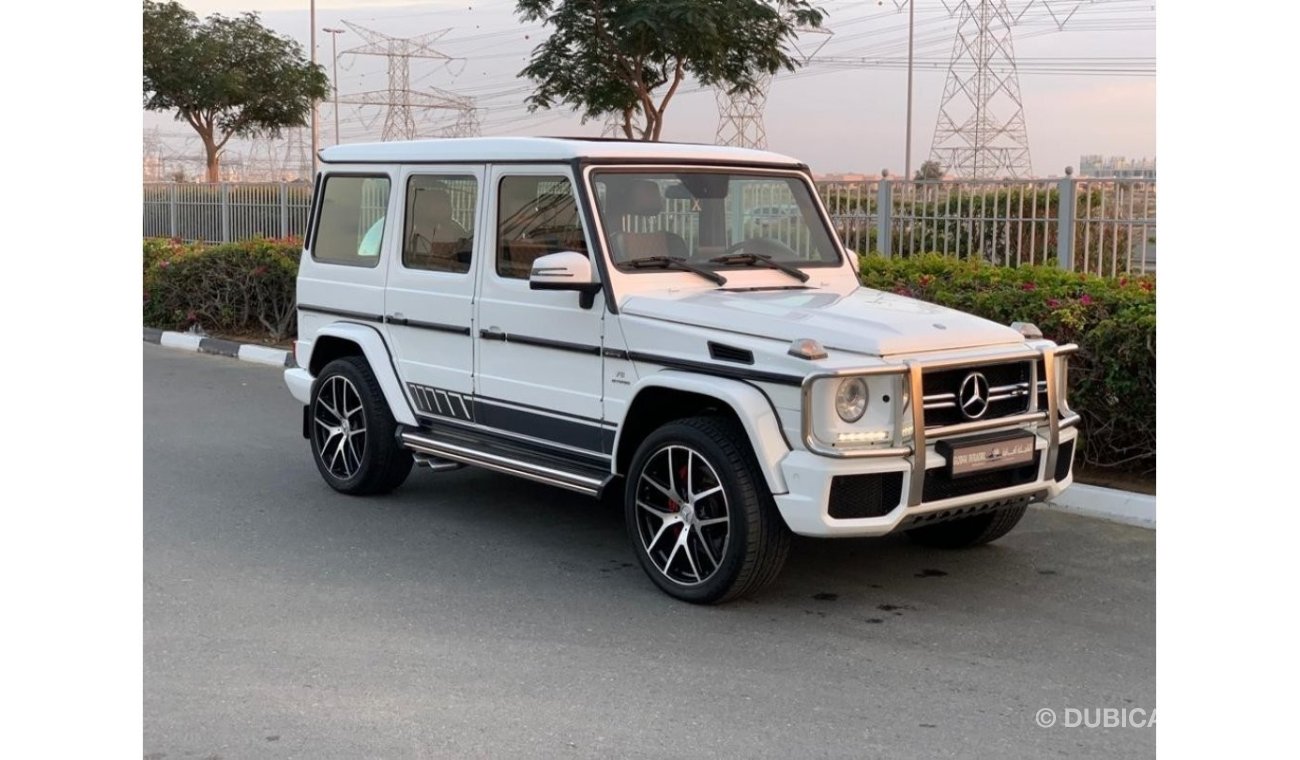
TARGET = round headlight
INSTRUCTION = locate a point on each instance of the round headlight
(851, 399)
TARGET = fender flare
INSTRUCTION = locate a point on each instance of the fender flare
(377, 355)
(750, 404)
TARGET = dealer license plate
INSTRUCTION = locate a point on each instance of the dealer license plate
(970, 457)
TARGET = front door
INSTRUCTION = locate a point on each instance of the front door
(430, 304)
(539, 369)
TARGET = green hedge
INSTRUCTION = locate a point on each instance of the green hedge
(1112, 378)
(249, 287)
(240, 287)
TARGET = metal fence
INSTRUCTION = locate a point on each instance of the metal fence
(226, 211)
(1102, 226)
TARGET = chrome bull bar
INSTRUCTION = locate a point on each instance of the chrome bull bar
(1057, 415)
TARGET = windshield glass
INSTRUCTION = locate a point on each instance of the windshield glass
(701, 216)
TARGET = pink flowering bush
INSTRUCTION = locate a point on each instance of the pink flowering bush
(1112, 378)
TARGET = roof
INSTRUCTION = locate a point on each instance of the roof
(477, 149)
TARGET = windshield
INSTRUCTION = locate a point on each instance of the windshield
(711, 218)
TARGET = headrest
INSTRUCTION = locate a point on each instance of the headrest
(638, 197)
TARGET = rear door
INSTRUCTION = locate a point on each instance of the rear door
(341, 275)
(539, 367)
(430, 302)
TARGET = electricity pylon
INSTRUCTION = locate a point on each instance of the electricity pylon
(981, 132)
(399, 99)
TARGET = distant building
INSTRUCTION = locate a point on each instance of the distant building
(1116, 167)
(850, 177)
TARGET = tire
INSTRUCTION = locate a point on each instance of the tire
(729, 540)
(969, 531)
(353, 433)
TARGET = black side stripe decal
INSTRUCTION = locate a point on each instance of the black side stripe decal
(735, 373)
(436, 401)
(478, 399)
(435, 326)
(580, 435)
(343, 313)
(401, 321)
(528, 340)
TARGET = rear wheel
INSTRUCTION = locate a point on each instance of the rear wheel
(698, 511)
(353, 433)
(969, 531)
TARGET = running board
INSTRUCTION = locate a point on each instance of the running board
(583, 480)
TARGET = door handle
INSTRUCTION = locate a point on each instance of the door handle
(396, 318)
(492, 333)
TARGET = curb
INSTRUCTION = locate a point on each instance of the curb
(249, 352)
(1127, 507)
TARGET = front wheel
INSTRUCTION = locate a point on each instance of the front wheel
(353, 433)
(700, 516)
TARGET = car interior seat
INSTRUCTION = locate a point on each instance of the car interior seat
(631, 205)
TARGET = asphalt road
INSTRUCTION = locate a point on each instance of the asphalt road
(475, 615)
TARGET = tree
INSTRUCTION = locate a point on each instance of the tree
(226, 76)
(614, 56)
(929, 170)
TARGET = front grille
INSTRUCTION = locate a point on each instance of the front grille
(1008, 392)
(939, 486)
(1063, 459)
(873, 495)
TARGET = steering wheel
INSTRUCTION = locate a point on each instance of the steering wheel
(774, 248)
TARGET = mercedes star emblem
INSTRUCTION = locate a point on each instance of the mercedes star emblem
(974, 396)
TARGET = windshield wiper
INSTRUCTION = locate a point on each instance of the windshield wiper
(759, 259)
(668, 262)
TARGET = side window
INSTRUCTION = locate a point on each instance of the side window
(350, 227)
(536, 215)
(439, 234)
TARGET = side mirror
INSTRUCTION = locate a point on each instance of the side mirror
(566, 270)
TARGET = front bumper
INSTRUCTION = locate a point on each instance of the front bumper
(915, 473)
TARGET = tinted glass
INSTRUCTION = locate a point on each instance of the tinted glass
(439, 234)
(536, 215)
(704, 214)
(350, 228)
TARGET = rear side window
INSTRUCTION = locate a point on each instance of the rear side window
(350, 227)
(439, 234)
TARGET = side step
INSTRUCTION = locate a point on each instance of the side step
(584, 480)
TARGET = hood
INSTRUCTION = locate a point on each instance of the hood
(862, 320)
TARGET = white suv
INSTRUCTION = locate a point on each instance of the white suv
(604, 316)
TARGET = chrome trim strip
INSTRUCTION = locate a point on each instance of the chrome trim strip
(1053, 411)
(962, 428)
(919, 453)
(540, 473)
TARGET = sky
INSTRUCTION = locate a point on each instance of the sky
(837, 118)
